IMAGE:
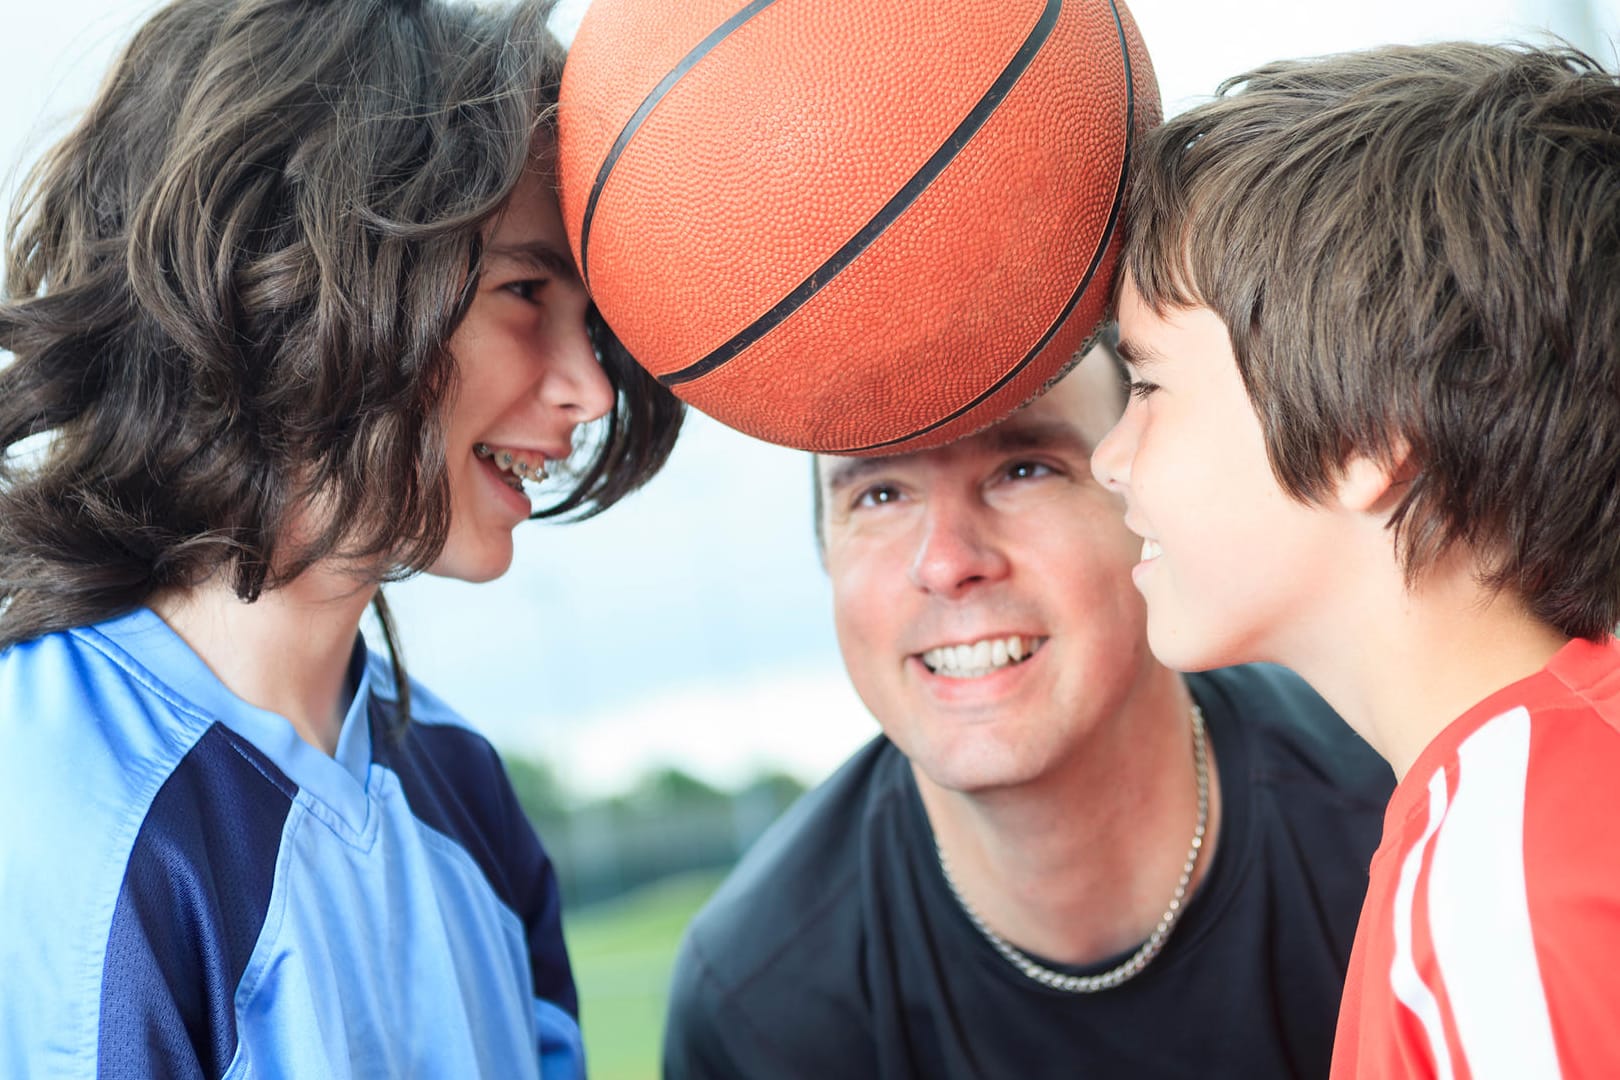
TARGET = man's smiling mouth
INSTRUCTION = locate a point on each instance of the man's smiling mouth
(980, 658)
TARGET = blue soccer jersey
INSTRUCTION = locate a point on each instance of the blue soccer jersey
(188, 889)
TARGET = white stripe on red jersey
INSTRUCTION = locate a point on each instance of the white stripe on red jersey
(1489, 945)
(1497, 1001)
(1404, 979)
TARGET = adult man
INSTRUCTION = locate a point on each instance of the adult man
(1061, 859)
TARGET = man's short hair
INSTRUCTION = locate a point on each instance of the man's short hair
(1416, 251)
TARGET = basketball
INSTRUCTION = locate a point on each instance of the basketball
(859, 227)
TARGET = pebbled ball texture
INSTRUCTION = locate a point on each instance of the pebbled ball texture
(855, 227)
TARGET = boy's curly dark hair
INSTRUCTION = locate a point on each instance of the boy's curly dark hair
(229, 291)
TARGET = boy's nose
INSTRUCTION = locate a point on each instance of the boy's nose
(574, 380)
(1112, 457)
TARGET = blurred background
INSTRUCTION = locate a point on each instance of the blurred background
(663, 680)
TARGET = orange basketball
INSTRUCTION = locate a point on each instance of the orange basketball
(858, 226)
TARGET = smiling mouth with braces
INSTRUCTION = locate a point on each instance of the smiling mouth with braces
(516, 470)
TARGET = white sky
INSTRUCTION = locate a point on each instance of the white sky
(691, 624)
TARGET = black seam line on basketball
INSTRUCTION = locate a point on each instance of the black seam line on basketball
(667, 83)
(891, 211)
(1085, 280)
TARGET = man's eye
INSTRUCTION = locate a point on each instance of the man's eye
(1028, 470)
(877, 495)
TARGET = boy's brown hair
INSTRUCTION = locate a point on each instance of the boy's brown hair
(230, 292)
(1416, 252)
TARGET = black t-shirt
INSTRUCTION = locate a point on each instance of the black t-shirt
(835, 949)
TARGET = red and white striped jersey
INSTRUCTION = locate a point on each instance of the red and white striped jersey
(1489, 943)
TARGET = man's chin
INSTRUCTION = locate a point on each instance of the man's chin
(978, 766)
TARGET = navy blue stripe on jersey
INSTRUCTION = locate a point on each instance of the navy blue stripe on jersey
(456, 785)
(190, 911)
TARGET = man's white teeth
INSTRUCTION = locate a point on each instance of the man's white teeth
(1151, 550)
(981, 657)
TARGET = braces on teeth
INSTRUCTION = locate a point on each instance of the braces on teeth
(508, 462)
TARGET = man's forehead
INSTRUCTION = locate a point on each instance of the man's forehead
(1074, 414)
(1039, 425)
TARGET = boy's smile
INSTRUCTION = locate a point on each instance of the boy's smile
(1226, 555)
(528, 375)
(1150, 554)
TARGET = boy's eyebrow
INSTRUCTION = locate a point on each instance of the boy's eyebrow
(1138, 356)
(536, 255)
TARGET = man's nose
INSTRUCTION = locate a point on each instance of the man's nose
(957, 550)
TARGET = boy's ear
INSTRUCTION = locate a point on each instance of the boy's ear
(1368, 485)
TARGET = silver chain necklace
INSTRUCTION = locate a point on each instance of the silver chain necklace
(1132, 965)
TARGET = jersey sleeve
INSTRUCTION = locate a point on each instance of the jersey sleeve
(562, 1044)
(538, 900)
(556, 1004)
(456, 784)
(1571, 829)
(189, 913)
(530, 879)
(1493, 932)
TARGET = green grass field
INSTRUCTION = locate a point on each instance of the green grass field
(622, 954)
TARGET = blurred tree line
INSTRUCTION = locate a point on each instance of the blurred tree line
(670, 823)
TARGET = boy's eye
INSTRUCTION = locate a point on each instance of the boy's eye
(1141, 388)
(527, 289)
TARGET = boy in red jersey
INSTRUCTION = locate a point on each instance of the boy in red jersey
(1371, 312)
